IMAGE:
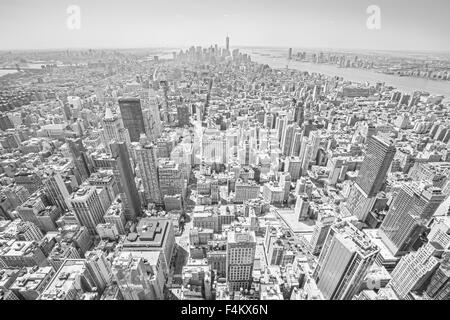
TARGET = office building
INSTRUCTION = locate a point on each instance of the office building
(241, 248)
(346, 257)
(124, 175)
(87, 207)
(132, 117)
(408, 216)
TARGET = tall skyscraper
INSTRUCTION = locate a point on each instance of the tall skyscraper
(287, 138)
(81, 162)
(415, 269)
(408, 216)
(170, 178)
(241, 248)
(320, 232)
(439, 287)
(152, 118)
(299, 113)
(346, 257)
(379, 156)
(147, 164)
(113, 128)
(125, 178)
(87, 207)
(132, 117)
(57, 191)
(227, 43)
(301, 207)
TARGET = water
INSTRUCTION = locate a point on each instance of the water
(404, 84)
(5, 72)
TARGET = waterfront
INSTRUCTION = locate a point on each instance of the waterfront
(4, 72)
(273, 58)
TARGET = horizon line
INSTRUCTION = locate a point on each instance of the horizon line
(325, 48)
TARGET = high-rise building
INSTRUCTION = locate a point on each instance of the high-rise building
(377, 161)
(293, 165)
(170, 178)
(379, 156)
(57, 190)
(408, 216)
(241, 248)
(439, 286)
(147, 164)
(115, 215)
(320, 232)
(125, 178)
(227, 43)
(301, 207)
(183, 115)
(138, 276)
(87, 207)
(113, 128)
(152, 118)
(415, 269)
(100, 269)
(81, 161)
(346, 257)
(105, 179)
(287, 138)
(132, 117)
(71, 282)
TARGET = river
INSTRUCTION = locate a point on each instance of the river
(4, 72)
(404, 84)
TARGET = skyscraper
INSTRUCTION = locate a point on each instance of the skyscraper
(287, 138)
(376, 163)
(170, 178)
(125, 178)
(241, 248)
(301, 207)
(152, 119)
(146, 161)
(320, 232)
(346, 256)
(87, 207)
(227, 43)
(439, 287)
(379, 156)
(415, 269)
(132, 117)
(78, 152)
(408, 216)
(57, 190)
(113, 128)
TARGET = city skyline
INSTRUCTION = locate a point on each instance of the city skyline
(299, 24)
(213, 172)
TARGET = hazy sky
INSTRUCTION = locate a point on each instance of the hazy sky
(405, 24)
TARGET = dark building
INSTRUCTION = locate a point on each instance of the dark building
(376, 163)
(5, 122)
(132, 117)
(82, 165)
(183, 115)
(125, 178)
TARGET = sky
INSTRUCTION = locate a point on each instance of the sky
(406, 25)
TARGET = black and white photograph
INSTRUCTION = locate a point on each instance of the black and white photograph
(219, 155)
